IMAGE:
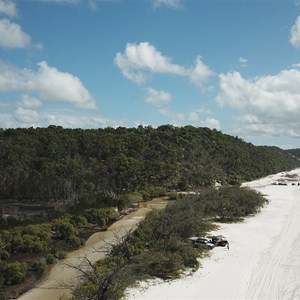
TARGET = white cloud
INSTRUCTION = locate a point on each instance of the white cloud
(200, 72)
(243, 61)
(270, 104)
(204, 110)
(8, 8)
(208, 122)
(140, 59)
(28, 116)
(295, 33)
(211, 123)
(12, 36)
(48, 82)
(29, 102)
(73, 119)
(296, 65)
(259, 127)
(23, 117)
(175, 117)
(144, 57)
(160, 99)
(39, 46)
(14, 79)
(168, 3)
(193, 116)
(61, 86)
(157, 98)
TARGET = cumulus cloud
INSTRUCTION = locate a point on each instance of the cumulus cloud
(144, 56)
(194, 115)
(8, 8)
(167, 3)
(208, 122)
(61, 86)
(211, 123)
(140, 59)
(48, 82)
(255, 126)
(157, 98)
(160, 99)
(266, 102)
(12, 35)
(295, 33)
(200, 72)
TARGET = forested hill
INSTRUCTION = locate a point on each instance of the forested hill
(69, 165)
(294, 152)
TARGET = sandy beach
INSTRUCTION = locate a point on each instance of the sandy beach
(263, 261)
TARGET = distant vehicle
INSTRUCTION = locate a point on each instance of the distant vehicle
(219, 240)
(202, 242)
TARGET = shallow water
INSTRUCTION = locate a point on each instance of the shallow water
(62, 278)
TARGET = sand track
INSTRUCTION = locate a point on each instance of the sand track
(61, 277)
(264, 257)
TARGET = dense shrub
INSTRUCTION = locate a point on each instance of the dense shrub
(160, 247)
(63, 228)
(39, 266)
(99, 216)
(50, 259)
(13, 272)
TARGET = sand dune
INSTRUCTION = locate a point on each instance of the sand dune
(264, 257)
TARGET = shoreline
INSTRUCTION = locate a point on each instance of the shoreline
(261, 262)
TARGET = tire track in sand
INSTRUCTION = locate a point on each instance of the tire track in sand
(276, 273)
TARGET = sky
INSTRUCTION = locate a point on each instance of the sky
(232, 65)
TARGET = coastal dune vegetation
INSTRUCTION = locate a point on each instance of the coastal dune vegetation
(57, 184)
(160, 247)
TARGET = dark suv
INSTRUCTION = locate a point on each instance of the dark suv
(202, 242)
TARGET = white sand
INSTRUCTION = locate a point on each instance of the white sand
(264, 257)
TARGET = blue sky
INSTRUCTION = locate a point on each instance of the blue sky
(230, 65)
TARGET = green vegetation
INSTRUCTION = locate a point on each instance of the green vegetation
(160, 246)
(294, 152)
(25, 251)
(59, 168)
(56, 183)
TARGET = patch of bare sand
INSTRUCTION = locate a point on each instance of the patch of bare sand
(264, 257)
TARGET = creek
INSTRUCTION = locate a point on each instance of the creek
(61, 278)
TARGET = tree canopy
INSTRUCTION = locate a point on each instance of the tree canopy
(67, 166)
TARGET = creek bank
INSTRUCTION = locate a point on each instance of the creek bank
(62, 278)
